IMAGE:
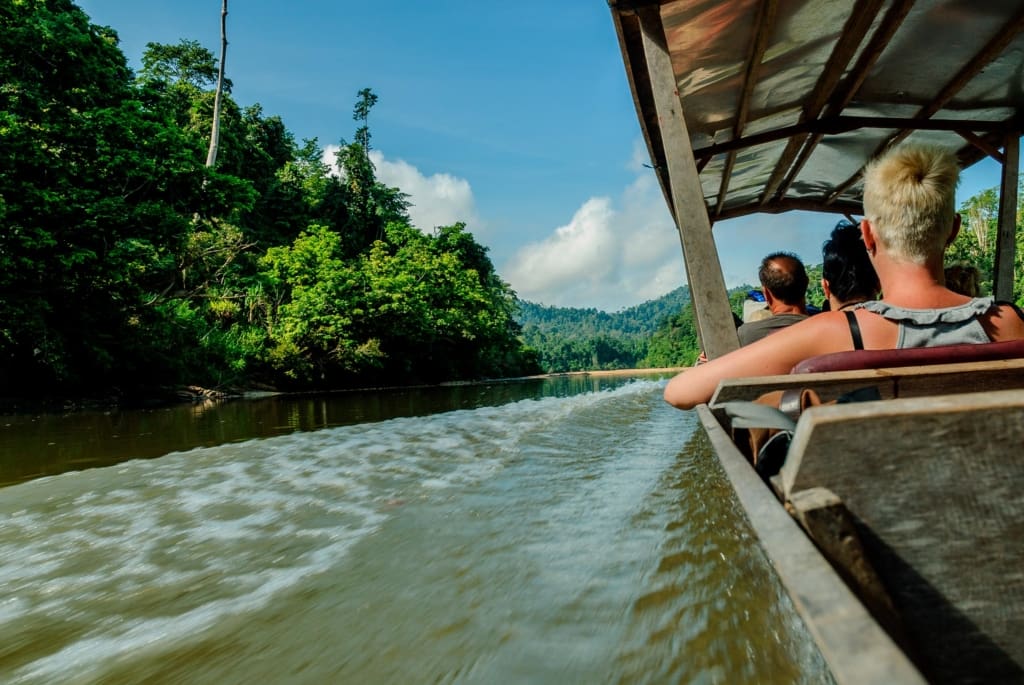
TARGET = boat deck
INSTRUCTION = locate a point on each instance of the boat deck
(913, 501)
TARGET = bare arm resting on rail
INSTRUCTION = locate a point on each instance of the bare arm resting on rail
(821, 334)
(775, 354)
(909, 220)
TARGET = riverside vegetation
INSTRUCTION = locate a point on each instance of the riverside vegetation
(127, 263)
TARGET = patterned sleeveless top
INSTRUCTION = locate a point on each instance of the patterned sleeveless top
(933, 327)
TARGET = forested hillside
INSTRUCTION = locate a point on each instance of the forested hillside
(574, 322)
(570, 339)
(129, 259)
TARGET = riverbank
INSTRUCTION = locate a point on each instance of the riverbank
(158, 397)
(617, 372)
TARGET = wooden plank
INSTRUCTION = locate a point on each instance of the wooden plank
(1006, 243)
(934, 484)
(855, 648)
(704, 271)
(908, 381)
(828, 385)
(835, 125)
(764, 24)
(853, 32)
(950, 379)
(977, 141)
(828, 522)
(990, 52)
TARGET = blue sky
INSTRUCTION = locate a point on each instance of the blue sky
(513, 117)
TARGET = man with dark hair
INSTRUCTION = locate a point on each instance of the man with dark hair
(784, 282)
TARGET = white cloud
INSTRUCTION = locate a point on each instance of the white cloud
(604, 257)
(330, 157)
(613, 252)
(615, 255)
(435, 200)
(640, 156)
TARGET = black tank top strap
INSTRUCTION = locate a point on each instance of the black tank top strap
(851, 319)
(1004, 303)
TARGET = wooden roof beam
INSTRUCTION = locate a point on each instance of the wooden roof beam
(842, 124)
(765, 23)
(784, 205)
(846, 91)
(854, 30)
(983, 145)
(703, 268)
(1006, 244)
(627, 28)
(631, 6)
(992, 49)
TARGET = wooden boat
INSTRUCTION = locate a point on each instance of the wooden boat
(895, 525)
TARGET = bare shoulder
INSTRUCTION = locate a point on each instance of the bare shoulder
(774, 354)
(821, 333)
(1004, 322)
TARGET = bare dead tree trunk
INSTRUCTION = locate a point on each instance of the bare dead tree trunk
(211, 156)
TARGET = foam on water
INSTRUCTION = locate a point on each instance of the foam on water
(99, 564)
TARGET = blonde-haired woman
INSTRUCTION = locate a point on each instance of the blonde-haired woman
(909, 220)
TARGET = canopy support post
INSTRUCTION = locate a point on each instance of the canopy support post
(1006, 243)
(703, 269)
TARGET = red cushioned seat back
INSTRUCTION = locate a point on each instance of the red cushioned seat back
(917, 356)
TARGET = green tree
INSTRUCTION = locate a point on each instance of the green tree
(314, 328)
(362, 205)
(95, 192)
(975, 244)
(125, 260)
(675, 342)
(403, 311)
(361, 113)
(187, 63)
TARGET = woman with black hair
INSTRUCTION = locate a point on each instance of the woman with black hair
(847, 276)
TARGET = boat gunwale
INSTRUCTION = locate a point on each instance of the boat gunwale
(855, 647)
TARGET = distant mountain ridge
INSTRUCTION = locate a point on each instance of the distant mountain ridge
(570, 322)
(575, 339)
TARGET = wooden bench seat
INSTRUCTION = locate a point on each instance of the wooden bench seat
(908, 381)
(919, 356)
(934, 488)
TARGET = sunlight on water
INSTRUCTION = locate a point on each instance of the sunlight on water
(564, 539)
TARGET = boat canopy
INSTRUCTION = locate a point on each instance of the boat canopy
(776, 105)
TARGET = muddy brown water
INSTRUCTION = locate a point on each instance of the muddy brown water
(567, 530)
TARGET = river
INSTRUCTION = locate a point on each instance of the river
(569, 530)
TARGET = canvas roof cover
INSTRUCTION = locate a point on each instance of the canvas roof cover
(786, 100)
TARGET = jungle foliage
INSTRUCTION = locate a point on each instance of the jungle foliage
(573, 339)
(125, 262)
(975, 244)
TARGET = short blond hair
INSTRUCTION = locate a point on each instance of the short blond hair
(910, 200)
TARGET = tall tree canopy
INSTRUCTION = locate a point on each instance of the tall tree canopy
(125, 261)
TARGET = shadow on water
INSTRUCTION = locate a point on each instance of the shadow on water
(37, 445)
